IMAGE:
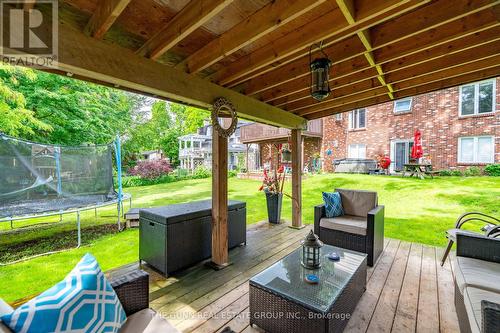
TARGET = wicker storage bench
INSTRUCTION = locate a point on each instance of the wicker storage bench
(177, 236)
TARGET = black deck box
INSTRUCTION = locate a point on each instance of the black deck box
(177, 236)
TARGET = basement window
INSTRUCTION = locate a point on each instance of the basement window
(476, 149)
(402, 105)
(356, 151)
(477, 98)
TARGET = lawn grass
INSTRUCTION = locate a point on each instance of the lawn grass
(415, 210)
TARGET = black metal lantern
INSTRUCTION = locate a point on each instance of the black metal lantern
(311, 250)
(320, 69)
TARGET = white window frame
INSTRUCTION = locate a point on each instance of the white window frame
(475, 149)
(401, 100)
(476, 98)
(351, 114)
(357, 146)
(338, 117)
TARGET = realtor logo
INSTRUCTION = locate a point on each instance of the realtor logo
(28, 33)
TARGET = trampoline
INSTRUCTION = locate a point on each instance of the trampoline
(39, 180)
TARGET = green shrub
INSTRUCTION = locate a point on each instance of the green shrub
(492, 170)
(457, 173)
(232, 173)
(472, 171)
(131, 181)
(201, 172)
(445, 173)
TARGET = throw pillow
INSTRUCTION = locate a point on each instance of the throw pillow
(333, 204)
(83, 302)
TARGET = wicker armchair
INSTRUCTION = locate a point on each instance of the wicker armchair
(360, 229)
(132, 289)
(491, 228)
(477, 292)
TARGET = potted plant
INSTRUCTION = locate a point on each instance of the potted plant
(272, 185)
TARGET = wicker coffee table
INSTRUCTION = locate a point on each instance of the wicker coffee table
(281, 301)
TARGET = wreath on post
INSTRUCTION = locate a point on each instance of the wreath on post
(222, 106)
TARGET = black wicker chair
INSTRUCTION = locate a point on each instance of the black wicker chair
(491, 228)
(477, 292)
(368, 234)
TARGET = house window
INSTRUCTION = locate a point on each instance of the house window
(338, 117)
(357, 119)
(477, 98)
(477, 149)
(402, 105)
(356, 151)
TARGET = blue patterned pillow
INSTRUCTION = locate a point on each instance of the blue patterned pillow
(333, 204)
(84, 301)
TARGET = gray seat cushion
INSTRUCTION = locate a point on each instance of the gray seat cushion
(147, 321)
(476, 273)
(346, 223)
(472, 299)
(357, 203)
(4, 309)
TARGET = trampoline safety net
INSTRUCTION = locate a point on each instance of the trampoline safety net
(38, 178)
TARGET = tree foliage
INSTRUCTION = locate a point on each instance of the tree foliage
(55, 109)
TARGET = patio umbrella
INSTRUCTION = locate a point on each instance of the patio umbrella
(416, 150)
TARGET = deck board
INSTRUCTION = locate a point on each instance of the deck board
(407, 289)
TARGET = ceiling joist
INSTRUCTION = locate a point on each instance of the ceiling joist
(269, 18)
(195, 14)
(105, 15)
(331, 26)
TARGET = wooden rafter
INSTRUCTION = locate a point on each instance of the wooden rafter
(267, 19)
(331, 27)
(458, 60)
(481, 69)
(92, 59)
(191, 17)
(481, 32)
(104, 16)
(477, 27)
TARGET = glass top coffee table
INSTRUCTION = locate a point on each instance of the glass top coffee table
(282, 301)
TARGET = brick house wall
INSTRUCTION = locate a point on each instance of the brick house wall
(435, 114)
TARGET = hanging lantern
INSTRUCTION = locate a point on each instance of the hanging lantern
(320, 68)
(311, 250)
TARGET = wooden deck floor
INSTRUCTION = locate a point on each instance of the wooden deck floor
(407, 290)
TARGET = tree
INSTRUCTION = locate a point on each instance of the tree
(15, 118)
(65, 110)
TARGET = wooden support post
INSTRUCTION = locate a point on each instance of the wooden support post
(296, 179)
(219, 202)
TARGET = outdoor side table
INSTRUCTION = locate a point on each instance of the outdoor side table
(282, 302)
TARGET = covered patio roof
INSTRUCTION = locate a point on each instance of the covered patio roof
(256, 53)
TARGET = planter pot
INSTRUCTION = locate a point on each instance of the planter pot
(274, 207)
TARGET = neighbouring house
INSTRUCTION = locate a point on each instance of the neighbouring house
(265, 140)
(152, 155)
(196, 149)
(460, 128)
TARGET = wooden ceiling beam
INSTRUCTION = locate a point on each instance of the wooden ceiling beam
(105, 15)
(331, 27)
(424, 88)
(358, 79)
(267, 19)
(452, 60)
(194, 14)
(476, 27)
(359, 99)
(349, 49)
(97, 61)
(435, 14)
